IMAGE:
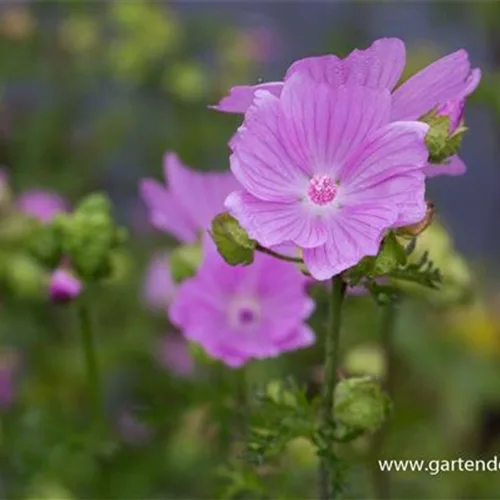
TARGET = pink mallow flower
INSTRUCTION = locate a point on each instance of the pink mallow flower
(324, 168)
(42, 205)
(191, 200)
(64, 286)
(240, 313)
(380, 66)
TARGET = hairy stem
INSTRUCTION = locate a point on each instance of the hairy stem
(327, 417)
(381, 479)
(90, 356)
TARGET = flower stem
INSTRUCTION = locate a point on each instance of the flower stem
(277, 255)
(89, 352)
(381, 479)
(327, 418)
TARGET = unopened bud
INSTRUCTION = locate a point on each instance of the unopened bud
(64, 287)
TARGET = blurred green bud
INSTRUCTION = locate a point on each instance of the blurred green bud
(45, 241)
(24, 277)
(368, 359)
(232, 241)
(440, 142)
(360, 405)
(89, 238)
(302, 453)
(279, 394)
(184, 262)
(16, 229)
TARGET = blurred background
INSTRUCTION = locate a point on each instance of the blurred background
(92, 94)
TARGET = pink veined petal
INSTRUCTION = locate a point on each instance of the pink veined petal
(395, 149)
(261, 161)
(201, 195)
(322, 125)
(273, 223)
(446, 79)
(354, 233)
(164, 211)
(241, 96)
(378, 66)
(453, 166)
(412, 206)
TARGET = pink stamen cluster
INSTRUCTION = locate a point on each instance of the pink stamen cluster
(322, 189)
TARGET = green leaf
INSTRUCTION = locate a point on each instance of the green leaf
(232, 241)
(391, 255)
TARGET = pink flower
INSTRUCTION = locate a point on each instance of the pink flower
(43, 205)
(192, 199)
(240, 313)
(380, 66)
(64, 286)
(159, 287)
(173, 354)
(324, 168)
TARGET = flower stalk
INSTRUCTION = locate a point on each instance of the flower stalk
(327, 417)
(91, 364)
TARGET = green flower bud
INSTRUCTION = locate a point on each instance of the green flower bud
(368, 359)
(233, 242)
(360, 405)
(184, 262)
(45, 241)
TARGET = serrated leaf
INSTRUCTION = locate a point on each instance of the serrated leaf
(391, 255)
(232, 241)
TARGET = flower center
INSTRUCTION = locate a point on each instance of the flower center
(244, 313)
(322, 189)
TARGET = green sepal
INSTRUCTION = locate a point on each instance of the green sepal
(232, 241)
(184, 262)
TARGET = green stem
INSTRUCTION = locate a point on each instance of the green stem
(277, 255)
(89, 352)
(381, 479)
(327, 418)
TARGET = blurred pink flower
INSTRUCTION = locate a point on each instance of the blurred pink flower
(191, 200)
(173, 354)
(64, 286)
(43, 205)
(240, 313)
(450, 78)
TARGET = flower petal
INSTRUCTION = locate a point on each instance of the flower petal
(397, 148)
(273, 223)
(261, 161)
(453, 166)
(354, 233)
(446, 79)
(378, 66)
(241, 97)
(201, 195)
(322, 125)
(165, 213)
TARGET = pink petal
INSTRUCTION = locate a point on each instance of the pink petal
(165, 213)
(262, 161)
(301, 337)
(273, 223)
(446, 79)
(158, 288)
(323, 125)
(241, 97)
(397, 148)
(200, 194)
(453, 166)
(378, 66)
(355, 233)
